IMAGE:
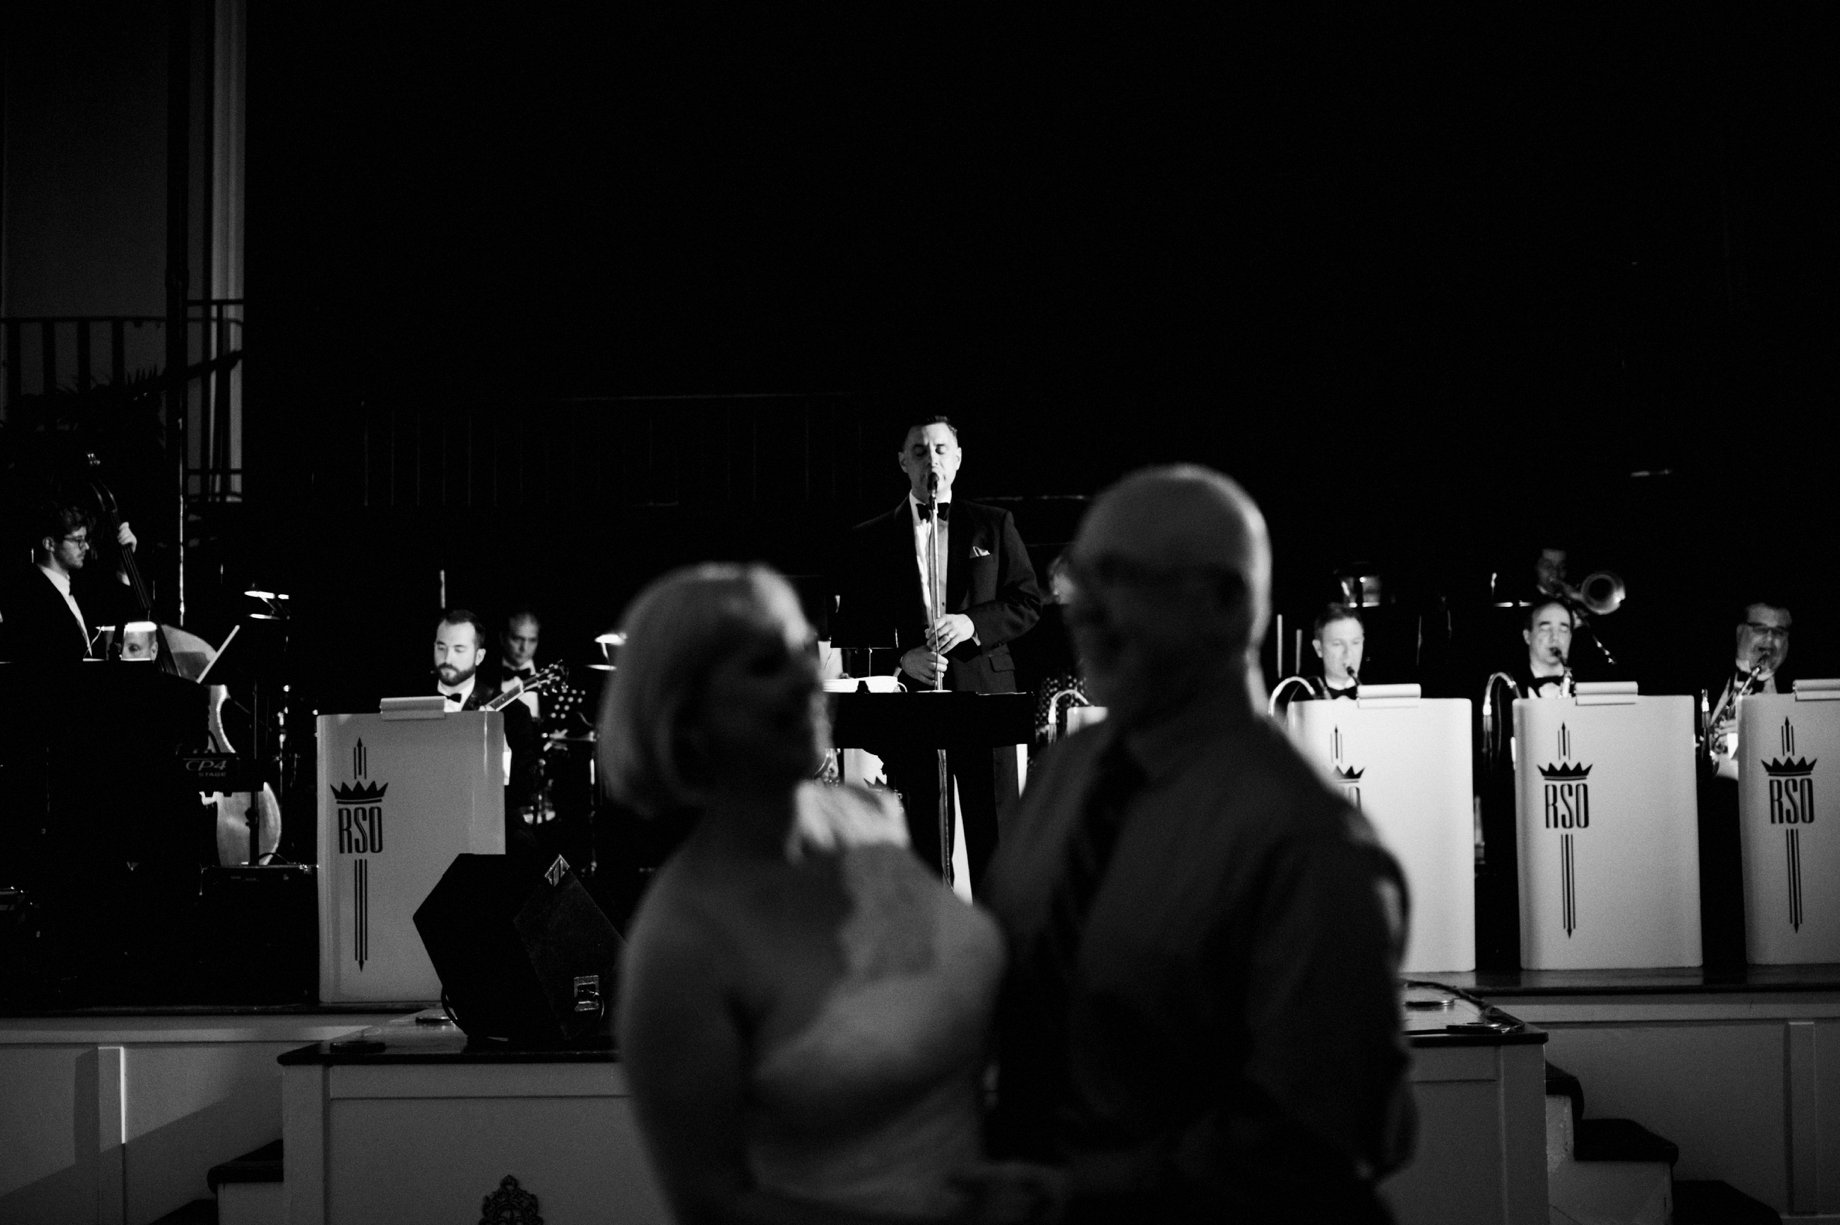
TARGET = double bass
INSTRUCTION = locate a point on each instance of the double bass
(233, 821)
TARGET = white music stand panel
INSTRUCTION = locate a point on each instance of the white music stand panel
(1405, 763)
(399, 797)
(1607, 813)
(1788, 775)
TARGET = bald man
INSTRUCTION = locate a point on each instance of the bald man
(1201, 1020)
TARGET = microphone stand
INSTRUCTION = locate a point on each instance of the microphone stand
(935, 610)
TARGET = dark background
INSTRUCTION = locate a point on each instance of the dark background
(542, 305)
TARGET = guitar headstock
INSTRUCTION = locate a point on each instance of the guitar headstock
(550, 675)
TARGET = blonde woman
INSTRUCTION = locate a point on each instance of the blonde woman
(805, 1011)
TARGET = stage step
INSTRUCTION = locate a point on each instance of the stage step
(1602, 1171)
(1622, 1140)
(1719, 1203)
(249, 1188)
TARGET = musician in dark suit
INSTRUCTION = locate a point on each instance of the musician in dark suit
(459, 649)
(517, 656)
(1757, 666)
(989, 598)
(42, 619)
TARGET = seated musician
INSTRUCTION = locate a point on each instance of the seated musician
(1045, 658)
(459, 648)
(561, 781)
(42, 618)
(1339, 638)
(517, 656)
(1757, 667)
(1546, 671)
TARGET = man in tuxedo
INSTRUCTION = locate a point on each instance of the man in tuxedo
(517, 655)
(43, 620)
(459, 649)
(989, 597)
(1548, 635)
(1757, 667)
(1339, 639)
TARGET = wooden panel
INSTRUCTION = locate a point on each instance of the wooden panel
(406, 1159)
(44, 1169)
(1826, 1088)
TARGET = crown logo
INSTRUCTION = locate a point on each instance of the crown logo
(1794, 767)
(345, 793)
(1348, 774)
(1570, 773)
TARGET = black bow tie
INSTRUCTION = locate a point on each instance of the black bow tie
(454, 697)
(1333, 693)
(1540, 682)
(945, 510)
(522, 674)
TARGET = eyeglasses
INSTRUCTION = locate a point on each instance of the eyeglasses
(1760, 630)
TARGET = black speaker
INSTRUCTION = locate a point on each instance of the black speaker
(523, 956)
(258, 935)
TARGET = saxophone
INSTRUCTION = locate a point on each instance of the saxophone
(1722, 750)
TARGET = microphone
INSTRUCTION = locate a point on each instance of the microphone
(932, 493)
(1354, 675)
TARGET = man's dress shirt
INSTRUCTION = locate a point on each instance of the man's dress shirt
(1232, 1035)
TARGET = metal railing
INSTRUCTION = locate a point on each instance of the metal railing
(48, 355)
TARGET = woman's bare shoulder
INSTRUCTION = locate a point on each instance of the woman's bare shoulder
(833, 819)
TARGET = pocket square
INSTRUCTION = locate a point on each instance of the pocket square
(978, 552)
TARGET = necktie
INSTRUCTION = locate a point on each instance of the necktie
(1117, 778)
(1038, 1071)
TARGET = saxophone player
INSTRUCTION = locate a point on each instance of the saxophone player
(1762, 648)
(1548, 635)
(1339, 638)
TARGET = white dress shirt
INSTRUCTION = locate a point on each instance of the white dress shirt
(923, 550)
(62, 583)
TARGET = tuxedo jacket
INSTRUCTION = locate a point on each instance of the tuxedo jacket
(37, 625)
(988, 578)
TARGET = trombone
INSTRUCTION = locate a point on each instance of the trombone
(1600, 594)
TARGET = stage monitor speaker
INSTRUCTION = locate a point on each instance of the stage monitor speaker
(523, 956)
